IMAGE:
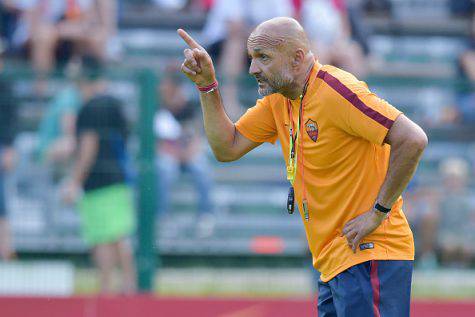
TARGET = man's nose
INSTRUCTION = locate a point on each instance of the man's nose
(253, 69)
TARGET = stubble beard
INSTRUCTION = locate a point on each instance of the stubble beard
(276, 84)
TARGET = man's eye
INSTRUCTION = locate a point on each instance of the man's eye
(264, 57)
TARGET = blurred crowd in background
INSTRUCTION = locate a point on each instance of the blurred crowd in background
(428, 75)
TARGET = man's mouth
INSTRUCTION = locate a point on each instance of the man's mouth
(260, 81)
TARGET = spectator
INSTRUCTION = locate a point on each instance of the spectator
(359, 30)
(106, 206)
(56, 29)
(457, 230)
(105, 43)
(57, 128)
(225, 32)
(331, 26)
(7, 158)
(465, 106)
(54, 150)
(181, 146)
(422, 210)
(9, 14)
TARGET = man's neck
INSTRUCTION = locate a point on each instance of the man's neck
(297, 91)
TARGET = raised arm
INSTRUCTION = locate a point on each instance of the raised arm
(225, 140)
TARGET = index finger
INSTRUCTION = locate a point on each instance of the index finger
(188, 39)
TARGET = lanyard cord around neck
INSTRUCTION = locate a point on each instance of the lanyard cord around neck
(293, 157)
(292, 162)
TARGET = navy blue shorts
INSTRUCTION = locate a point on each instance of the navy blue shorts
(379, 288)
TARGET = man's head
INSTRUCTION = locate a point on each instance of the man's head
(280, 55)
(90, 76)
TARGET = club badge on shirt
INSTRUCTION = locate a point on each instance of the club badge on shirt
(312, 129)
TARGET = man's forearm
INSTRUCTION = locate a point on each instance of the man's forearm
(226, 142)
(403, 162)
(220, 130)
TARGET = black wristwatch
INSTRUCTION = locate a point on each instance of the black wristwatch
(383, 209)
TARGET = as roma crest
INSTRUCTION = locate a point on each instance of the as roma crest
(312, 129)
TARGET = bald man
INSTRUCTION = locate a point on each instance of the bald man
(349, 156)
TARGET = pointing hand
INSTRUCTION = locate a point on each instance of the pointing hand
(197, 66)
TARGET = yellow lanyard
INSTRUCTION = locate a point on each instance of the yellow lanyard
(293, 159)
(292, 162)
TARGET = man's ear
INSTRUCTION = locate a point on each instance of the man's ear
(298, 58)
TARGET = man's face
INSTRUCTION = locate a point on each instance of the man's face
(270, 67)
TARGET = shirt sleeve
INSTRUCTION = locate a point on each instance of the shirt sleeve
(361, 113)
(258, 124)
(89, 120)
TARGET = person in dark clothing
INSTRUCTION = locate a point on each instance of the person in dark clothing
(181, 147)
(464, 110)
(7, 158)
(106, 205)
(9, 15)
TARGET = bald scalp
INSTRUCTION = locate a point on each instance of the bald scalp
(283, 33)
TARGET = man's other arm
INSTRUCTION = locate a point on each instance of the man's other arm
(408, 142)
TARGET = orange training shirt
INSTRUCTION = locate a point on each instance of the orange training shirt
(345, 161)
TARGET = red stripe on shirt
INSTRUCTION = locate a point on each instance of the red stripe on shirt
(375, 286)
(349, 95)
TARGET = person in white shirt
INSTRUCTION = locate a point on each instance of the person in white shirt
(181, 147)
